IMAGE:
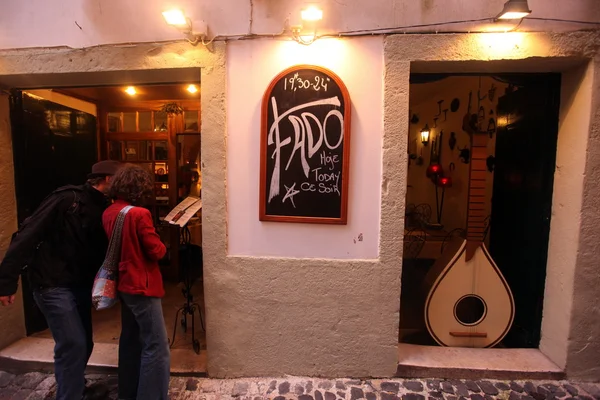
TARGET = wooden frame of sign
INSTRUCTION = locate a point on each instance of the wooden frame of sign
(305, 147)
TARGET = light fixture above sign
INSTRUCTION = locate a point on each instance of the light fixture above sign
(312, 13)
(130, 90)
(514, 9)
(310, 16)
(177, 18)
(192, 89)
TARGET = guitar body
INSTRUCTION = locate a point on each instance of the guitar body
(469, 303)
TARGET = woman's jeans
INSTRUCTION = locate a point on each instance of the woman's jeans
(68, 312)
(144, 356)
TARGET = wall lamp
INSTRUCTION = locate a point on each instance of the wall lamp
(425, 135)
(311, 13)
(175, 17)
(310, 16)
(514, 9)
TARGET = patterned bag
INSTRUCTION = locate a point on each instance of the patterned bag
(104, 291)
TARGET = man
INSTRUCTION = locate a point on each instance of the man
(62, 246)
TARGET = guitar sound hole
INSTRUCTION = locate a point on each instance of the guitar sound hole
(469, 310)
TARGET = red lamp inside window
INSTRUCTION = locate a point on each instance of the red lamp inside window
(434, 170)
(444, 182)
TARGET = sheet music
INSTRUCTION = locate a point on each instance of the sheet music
(181, 214)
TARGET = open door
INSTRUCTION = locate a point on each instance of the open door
(522, 198)
(53, 145)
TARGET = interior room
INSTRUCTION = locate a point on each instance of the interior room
(156, 126)
(482, 152)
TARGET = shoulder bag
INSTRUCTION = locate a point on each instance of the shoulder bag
(104, 291)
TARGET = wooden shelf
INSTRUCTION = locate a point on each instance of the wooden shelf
(156, 149)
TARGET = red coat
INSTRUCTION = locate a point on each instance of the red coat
(139, 272)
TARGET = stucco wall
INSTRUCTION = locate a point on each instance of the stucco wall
(12, 323)
(273, 316)
(251, 67)
(567, 325)
(211, 68)
(583, 359)
(81, 23)
(574, 118)
(298, 315)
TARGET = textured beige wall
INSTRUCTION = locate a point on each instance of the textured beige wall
(274, 316)
(211, 64)
(12, 323)
(39, 23)
(299, 316)
(583, 360)
(571, 314)
(574, 118)
(295, 316)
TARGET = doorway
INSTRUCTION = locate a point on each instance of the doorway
(522, 199)
(70, 128)
(517, 115)
(54, 144)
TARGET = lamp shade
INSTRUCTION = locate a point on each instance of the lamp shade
(514, 9)
(175, 17)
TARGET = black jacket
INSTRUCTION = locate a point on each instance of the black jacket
(62, 244)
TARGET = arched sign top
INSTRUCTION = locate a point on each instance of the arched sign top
(305, 147)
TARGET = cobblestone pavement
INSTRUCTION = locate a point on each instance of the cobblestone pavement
(39, 386)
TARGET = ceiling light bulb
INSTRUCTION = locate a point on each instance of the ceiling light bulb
(312, 13)
(513, 15)
(130, 90)
(175, 17)
(192, 89)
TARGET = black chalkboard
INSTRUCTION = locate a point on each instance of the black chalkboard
(305, 147)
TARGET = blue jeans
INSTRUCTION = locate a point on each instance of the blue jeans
(144, 355)
(68, 312)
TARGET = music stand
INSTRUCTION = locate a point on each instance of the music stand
(189, 307)
(180, 215)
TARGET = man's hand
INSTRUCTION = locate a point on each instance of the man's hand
(7, 300)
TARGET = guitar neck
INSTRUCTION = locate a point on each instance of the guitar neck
(477, 188)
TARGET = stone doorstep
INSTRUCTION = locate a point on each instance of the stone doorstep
(24, 366)
(408, 371)
(417, 361)
(403, 371)
(34, 354)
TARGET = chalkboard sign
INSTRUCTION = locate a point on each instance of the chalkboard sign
(305, 147)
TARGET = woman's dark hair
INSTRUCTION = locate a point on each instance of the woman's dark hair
(131, 183)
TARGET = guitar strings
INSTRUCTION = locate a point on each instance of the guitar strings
(473, 328)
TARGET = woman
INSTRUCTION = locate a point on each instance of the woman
(144, 358)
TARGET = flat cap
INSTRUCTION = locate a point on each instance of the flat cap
(105, 168)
